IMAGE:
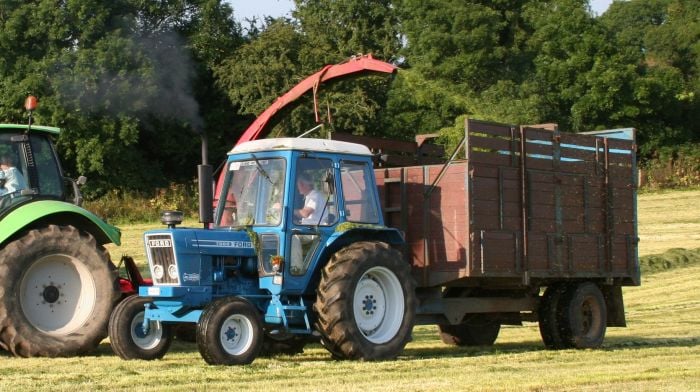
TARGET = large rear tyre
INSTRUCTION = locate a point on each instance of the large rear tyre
(127, 336)
(57, 289)
(366, 302)
(230, 332)
(549, 314)
(583, 317)
(481, 331)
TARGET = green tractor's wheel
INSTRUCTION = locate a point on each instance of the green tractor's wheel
(129, 339)
(57, 289)
(366, 302)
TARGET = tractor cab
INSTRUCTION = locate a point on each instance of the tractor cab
(295, 194)
(29, 166)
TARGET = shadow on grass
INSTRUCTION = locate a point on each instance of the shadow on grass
(611, 344)
(625, 342)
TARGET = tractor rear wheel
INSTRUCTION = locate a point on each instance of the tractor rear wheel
(57, 289)
(127, 335)
(366, 302)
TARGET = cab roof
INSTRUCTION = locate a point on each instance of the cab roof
(23, 127)
(301, 144)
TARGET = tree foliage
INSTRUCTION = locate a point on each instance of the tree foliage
(119, 78)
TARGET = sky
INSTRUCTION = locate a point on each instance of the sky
(243, 9)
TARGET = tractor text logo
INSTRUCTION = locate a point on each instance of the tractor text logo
(165, 243)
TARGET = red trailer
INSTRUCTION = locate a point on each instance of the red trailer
(525, 224)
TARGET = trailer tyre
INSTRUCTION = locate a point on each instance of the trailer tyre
(366, 302)
(126, 334)
(583, 317)
(549, 314)
(230, 332)
(57, 289)
(483, 332)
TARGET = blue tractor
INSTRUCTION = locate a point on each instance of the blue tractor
(297, 249)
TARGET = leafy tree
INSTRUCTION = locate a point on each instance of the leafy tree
(286, 51)
(660, 37)
(118, 77)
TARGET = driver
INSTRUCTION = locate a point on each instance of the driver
(13, 178)
(314, 202)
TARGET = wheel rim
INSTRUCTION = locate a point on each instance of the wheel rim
(590, 317)
(378, 305)
(57, 294)
(146, 341)
(236, 334)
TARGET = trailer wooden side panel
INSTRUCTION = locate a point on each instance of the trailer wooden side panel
(565, 208)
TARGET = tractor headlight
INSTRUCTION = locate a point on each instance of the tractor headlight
(172, 271)
(158, 272)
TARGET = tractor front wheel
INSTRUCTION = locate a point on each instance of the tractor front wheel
(230, 332)
(57, 289)
(129, 339)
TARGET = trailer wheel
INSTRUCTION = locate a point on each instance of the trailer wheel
(366, 302)
(584, 317)
(57, 289)
(229, 332)
(127, 336)
(480, 332)
(549, 314)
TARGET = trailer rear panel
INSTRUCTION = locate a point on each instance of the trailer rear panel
(566, 208)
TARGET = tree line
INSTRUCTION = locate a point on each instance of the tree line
(132, 83)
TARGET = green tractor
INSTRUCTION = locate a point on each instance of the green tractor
(57, 283)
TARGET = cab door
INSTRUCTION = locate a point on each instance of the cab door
(312, 217)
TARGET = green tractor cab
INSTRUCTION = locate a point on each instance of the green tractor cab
(57, 283)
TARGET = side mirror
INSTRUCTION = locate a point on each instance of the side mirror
(77, 183)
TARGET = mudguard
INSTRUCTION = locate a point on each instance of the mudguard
(57, 212)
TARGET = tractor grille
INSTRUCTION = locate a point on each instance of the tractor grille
(161, 259)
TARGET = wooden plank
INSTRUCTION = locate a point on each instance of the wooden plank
(538, 134)
(585, 252)
(577, 139)
(475, 126)
(620, 158)
(376, 143)
(498, 252)
(492, 143)
(620, 144)
(537, 248)
(581, 167)
(489, 158)
(539, 164)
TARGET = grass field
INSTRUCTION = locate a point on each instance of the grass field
(660, 349)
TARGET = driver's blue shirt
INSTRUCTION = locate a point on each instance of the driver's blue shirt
(14, 181)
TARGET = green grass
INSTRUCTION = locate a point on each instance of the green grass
(660, 349)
